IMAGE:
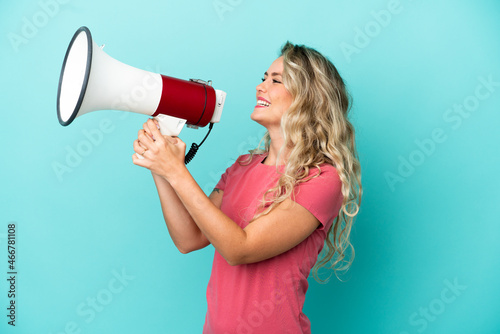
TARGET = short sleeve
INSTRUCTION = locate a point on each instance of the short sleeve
(223, 179)
(321, 195)
(222, 182)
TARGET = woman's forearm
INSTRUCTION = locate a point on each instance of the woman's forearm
(183, 230)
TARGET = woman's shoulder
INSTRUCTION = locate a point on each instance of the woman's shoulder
(324, 173)
(324, 168)
(250, 158)
(242, 162)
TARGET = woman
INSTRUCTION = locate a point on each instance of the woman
(273, 210)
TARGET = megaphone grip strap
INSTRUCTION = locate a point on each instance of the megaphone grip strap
(204, 106)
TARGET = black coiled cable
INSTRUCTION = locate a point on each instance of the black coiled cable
(194, 147)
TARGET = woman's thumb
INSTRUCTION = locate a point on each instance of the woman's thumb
(172, 140)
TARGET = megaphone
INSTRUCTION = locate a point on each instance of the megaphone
(91, 80)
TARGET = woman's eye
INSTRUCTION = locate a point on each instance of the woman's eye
(274, 81)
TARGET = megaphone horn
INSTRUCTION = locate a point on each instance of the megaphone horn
(91, 80)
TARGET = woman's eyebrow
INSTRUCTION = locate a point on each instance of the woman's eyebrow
(273, 74)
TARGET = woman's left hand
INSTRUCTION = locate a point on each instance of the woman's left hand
(163, 155)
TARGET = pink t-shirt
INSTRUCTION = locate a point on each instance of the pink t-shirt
(268, 296)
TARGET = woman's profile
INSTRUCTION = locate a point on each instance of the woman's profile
(279, 213)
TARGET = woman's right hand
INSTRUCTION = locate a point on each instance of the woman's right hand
(146, 127)
(137, 144)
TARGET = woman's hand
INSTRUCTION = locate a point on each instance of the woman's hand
(163, 155)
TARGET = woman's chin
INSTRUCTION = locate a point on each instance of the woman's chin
(256, 118)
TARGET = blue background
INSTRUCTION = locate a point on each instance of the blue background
(429, 217)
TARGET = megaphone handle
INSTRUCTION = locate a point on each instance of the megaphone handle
(169, 126)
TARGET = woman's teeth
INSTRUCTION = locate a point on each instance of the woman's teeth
(263, 103)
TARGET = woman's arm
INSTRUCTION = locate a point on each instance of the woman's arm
(184, 232)
(283, 228)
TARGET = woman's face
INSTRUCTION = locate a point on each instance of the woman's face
(272, 97)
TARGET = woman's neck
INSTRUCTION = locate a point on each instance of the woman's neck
(274, 148)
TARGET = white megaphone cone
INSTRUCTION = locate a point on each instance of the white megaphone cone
(91, 80)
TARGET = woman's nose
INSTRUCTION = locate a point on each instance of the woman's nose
(261, 87)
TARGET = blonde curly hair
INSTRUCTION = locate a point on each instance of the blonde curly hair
(316, 129)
